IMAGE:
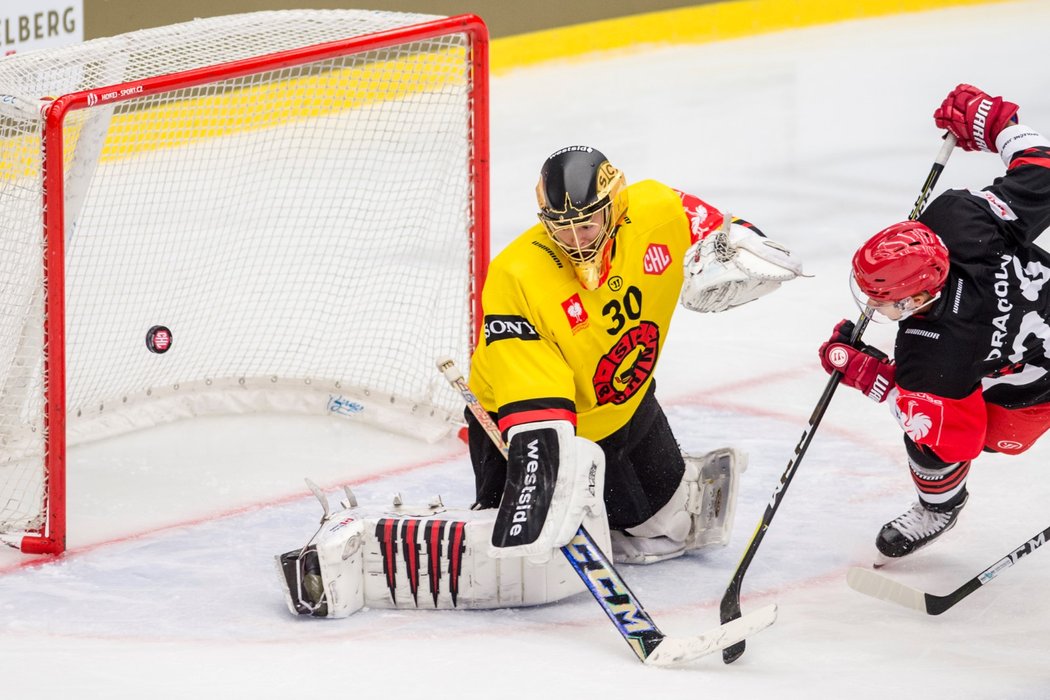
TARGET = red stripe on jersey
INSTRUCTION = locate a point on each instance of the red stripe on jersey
(509, 421)
(1041, 161)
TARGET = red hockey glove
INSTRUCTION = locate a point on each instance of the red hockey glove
(865, 368)
(974, 117)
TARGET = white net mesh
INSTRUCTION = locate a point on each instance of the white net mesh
(303, 230)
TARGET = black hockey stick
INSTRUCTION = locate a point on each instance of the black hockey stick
(634, 624)
(878, 586)
(730, 606)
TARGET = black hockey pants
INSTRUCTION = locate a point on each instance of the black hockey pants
(643, 465)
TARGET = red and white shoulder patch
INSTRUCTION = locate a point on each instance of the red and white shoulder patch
(703, 219)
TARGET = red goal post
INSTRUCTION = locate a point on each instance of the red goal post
(297, 199)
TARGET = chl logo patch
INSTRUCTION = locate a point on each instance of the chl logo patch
(657, 259)
(502, 327)
(575, 313)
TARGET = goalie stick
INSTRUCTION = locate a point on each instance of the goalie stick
(878, 586)
(730, 606)
(604, 582)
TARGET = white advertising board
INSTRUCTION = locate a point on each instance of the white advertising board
(38, 24)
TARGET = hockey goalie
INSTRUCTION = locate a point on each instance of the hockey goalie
(563, 422)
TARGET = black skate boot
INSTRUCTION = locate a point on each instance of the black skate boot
(915, 528)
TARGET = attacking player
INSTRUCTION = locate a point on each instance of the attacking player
(576, 311)
(968, 286)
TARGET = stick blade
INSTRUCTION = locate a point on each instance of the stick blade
(876, 585)
(733, 652)
(675, 651)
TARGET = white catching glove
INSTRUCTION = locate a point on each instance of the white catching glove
(733, 266)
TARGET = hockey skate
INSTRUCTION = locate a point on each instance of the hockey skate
(914, 529)
(700, 514)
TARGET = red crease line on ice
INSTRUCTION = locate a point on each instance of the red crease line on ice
(707, 397)
(241, 510)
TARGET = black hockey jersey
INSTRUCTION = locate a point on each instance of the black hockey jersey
(987, 339)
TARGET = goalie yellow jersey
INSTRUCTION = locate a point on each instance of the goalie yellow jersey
(551, 349)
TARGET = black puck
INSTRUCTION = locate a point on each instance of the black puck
(158, 339)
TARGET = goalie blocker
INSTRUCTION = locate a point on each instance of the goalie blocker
(433, 557)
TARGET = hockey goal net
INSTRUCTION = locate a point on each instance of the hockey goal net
(276, 211)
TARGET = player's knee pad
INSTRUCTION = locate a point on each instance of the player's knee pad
(675, 519)
(431, 557)
(699, 513)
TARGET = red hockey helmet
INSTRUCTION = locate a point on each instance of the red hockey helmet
(900, 261)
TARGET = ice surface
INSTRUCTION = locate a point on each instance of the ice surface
(820, 137)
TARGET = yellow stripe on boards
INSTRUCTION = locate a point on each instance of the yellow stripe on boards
(240, 106)
(696, 25)
(223, 112)
(264, 105)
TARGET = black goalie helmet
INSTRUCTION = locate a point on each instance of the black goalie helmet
(583, 200)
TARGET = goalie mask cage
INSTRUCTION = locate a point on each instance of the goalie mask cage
(299, 197)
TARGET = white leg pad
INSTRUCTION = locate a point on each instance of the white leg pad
(720, 472)
(428, 558)
(699, 514)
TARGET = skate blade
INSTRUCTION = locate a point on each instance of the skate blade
(882, 560)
